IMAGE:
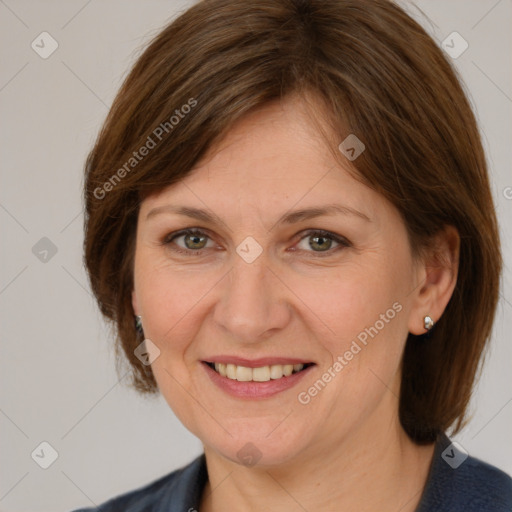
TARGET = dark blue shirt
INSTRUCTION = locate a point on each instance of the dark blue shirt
(456, 483)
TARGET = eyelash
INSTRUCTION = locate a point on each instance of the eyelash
(343, 243)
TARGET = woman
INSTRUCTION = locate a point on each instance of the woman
(291, 200)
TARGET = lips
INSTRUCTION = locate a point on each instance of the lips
(262, 373)
(256, 363)
(249, 387)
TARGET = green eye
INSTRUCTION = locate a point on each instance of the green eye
(193, 241)
(320, 241)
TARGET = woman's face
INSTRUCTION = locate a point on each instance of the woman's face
(291, 261)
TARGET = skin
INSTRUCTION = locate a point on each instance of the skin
(345, 449)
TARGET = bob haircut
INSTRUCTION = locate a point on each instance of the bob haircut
(379, 76)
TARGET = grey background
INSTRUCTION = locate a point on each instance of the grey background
(58, 379)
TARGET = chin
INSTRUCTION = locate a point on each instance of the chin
(261, 447)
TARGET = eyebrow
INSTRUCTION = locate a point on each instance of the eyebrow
(292, 217)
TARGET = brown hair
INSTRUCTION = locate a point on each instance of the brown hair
(381, 77)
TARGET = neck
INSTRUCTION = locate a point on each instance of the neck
(376, 467)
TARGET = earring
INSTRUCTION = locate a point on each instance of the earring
(428, 323)
(138, 324)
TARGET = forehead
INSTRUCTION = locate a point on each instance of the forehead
(275, 155)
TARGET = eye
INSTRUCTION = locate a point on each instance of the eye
(193, 241)
(321, 241)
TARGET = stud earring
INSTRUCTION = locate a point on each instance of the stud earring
(428, 323)
(138, 324)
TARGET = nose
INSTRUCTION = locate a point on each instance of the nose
(253, 302)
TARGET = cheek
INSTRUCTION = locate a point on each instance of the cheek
(170, 300)
(367, 325)
(360, 316)
(350, 300)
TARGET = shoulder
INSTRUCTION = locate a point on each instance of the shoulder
(484, 487)
(179, 490)
(458, 482)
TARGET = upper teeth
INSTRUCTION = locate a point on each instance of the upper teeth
(261, 374)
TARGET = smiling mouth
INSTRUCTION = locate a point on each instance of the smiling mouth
(260, 374)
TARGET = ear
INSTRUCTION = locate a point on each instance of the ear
(135, 305)
(436, 278)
